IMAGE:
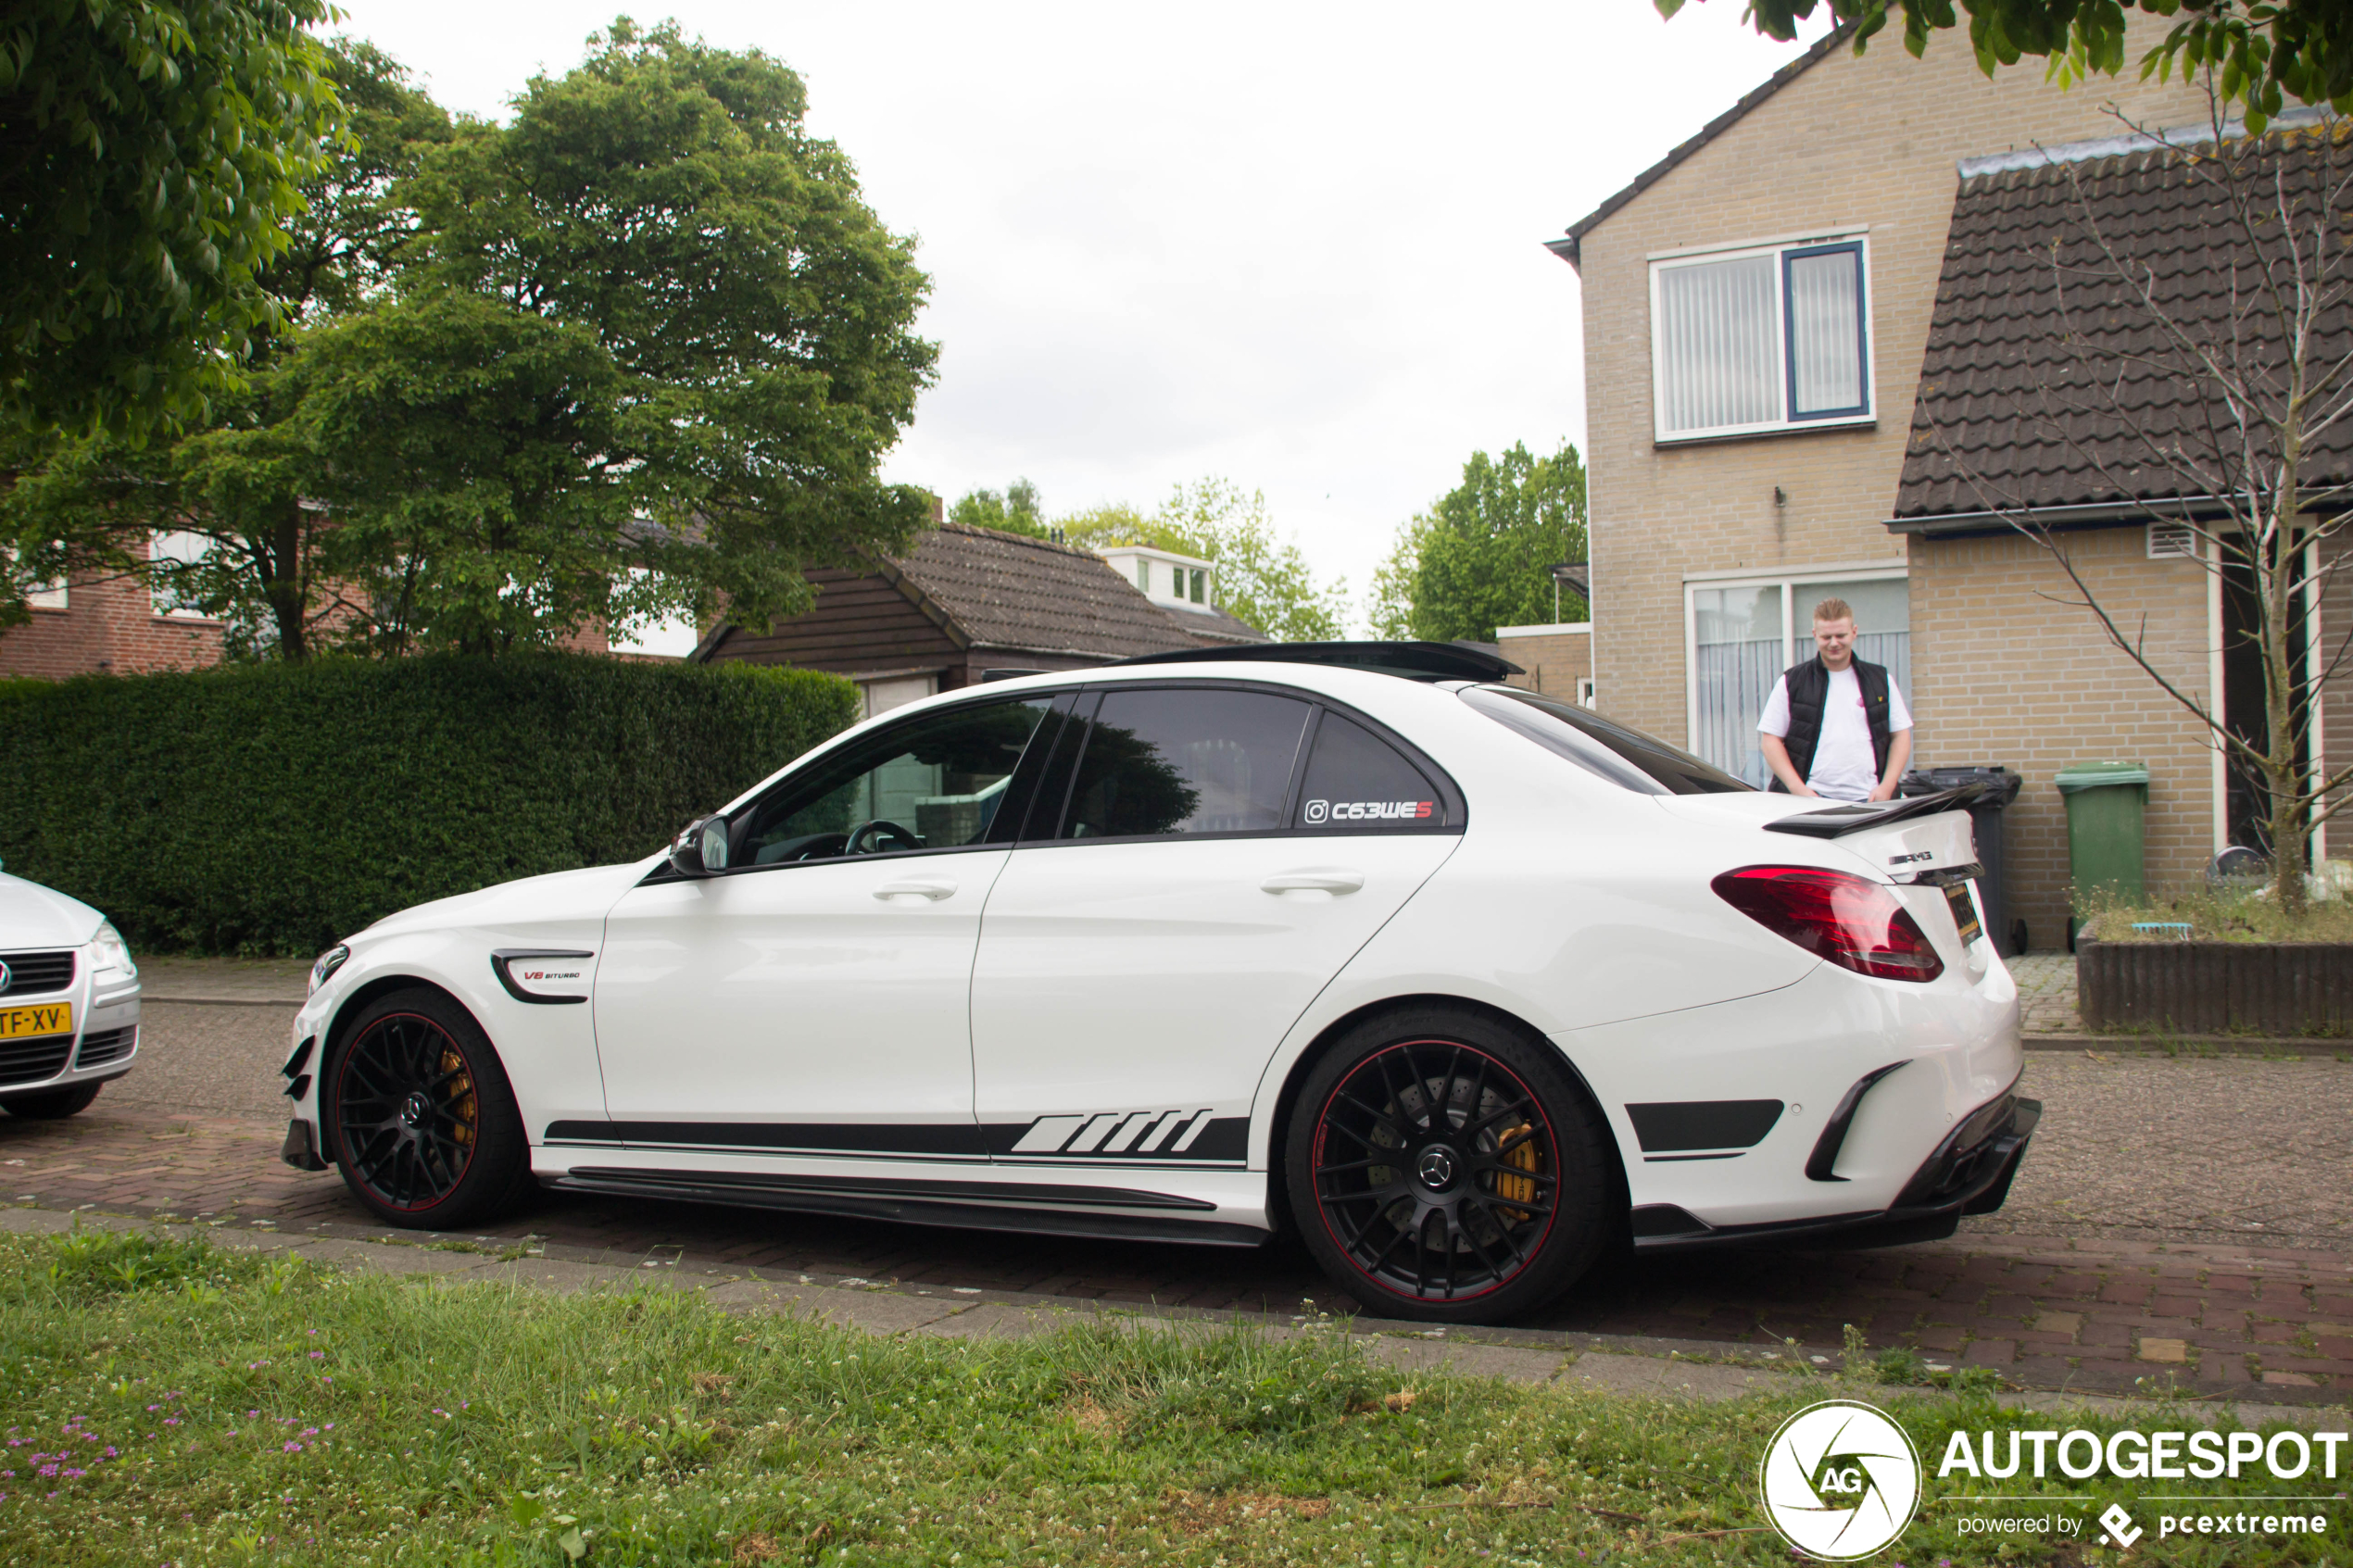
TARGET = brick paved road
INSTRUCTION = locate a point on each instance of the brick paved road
(2128, 1251)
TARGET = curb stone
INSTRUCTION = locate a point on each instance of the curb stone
(2195, 1044)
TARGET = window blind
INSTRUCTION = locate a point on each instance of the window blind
(1825, 332)
(1717, 361)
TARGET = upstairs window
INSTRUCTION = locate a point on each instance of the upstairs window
(1764, 338)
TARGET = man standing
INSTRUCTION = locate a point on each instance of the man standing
(1835, 726)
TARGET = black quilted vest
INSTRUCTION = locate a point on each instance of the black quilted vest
(1809, 686)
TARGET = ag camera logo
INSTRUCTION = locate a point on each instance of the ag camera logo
(1318, 809)
(1840, 1480)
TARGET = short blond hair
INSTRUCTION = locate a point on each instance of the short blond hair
(1833, 610)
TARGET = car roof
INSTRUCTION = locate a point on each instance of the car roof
(1410, 661)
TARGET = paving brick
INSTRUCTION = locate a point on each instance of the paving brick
(1935, 1295)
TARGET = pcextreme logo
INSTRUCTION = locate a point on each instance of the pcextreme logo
(1840, 1480)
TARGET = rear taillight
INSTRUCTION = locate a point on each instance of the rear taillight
(1855, 923)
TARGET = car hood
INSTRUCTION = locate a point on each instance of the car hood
(556, 895)
(35, 916)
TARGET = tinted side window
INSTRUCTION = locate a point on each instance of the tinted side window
(1359, 783)
(1185, 762)
(937, 782)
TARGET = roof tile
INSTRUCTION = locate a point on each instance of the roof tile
(2049, 381)
(1011, 591)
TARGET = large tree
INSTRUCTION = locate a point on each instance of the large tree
(2262, 54)
(152, 153)
(1482, 555)
(1016, 509)
(665, 200)
(636, 352)
(246, 483)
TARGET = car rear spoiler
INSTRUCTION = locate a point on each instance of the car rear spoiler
(1839, 820)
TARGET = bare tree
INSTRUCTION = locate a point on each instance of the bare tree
(2198, 373)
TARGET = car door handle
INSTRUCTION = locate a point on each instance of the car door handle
(934, 889)
(1333, 880)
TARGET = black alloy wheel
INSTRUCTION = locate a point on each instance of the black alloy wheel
(1442, 1168)
(422, 1122)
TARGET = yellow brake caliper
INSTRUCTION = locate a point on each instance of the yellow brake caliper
(1519, 1156)
(462, 1094)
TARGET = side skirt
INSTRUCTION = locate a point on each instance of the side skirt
(991, 1206)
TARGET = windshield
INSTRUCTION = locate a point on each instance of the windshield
(1626, 758)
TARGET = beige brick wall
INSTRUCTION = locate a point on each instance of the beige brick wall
(2014, 678)
(1555, 661)
(1871, 140)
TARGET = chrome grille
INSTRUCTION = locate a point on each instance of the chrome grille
(31, 973)
(102, 1046)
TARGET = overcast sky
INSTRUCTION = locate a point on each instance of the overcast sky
(1294, 245)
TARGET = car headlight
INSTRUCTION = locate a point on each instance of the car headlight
(329, 962)
(110, 954)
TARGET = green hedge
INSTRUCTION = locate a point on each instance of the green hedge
(276, 808)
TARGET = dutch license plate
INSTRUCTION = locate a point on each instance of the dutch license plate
(45, 1018)
(1964, 912)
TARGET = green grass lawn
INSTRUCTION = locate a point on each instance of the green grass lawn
(168, 1402)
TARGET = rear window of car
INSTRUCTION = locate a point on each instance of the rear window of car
(1625, 757)
(1358, 783)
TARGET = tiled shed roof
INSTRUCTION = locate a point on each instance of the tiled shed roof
(1010, 591)
(2047, 385)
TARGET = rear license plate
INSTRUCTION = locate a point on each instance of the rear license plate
(1964, 912)
(48, 1018)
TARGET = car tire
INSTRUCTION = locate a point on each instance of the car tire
(1445, 1167)
(419, 1116)
(52, 1105)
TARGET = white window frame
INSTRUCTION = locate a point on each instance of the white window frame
(53, 594)
(156, 605)
(1788, 583)
(1665, 261)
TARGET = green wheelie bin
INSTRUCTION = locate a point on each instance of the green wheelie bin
(2107, 811)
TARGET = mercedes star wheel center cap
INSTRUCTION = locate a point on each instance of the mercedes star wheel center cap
(416, 1110)
(1437, 1168)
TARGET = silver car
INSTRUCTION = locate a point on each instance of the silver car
(68, 1001)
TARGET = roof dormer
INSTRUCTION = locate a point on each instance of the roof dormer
(1169, 579)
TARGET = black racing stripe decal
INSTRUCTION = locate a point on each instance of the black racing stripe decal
(886, 1186)
(830, 1137)
(1702, 1123)
(1157, 1138)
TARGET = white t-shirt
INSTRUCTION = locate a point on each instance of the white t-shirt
(1845, 768)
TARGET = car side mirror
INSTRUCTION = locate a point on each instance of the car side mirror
(701, 850)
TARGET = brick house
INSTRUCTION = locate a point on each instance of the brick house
(114, 626)
(1758, 308)
(964, 601)
(107, 625)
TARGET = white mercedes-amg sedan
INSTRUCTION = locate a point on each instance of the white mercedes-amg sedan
(1464, 984)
